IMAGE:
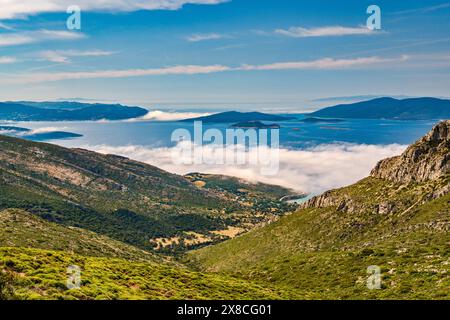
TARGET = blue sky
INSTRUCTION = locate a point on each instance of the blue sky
(243, 53)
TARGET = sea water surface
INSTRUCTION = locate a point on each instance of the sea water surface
(313, 157)
(293, 134)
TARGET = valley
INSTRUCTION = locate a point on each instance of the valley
(207, 236)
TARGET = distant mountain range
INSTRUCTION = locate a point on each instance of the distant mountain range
(234, 116)
(390, 108)
(380, 108)
(255, 125)
(66, 111)
(126, 200)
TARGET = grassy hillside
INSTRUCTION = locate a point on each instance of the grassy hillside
(42, 274)
(398, 220)
(255, 197)
(21, 229)
(123, 199)
(240, 187)
(35, 254)
(325, 252)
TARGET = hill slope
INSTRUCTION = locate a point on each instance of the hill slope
(19, 228)
(114, 196)
(234, 116)
(35, 255)
(324, 249)
(42, 274)
(389, 108)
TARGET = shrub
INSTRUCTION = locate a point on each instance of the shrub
(6, 286)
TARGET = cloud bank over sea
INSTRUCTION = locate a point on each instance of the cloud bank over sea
(313, 170)
(158, 115)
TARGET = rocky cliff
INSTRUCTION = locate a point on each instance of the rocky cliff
(427, 159)
(425, 163)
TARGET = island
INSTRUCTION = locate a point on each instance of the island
(390, 108)
(28, 134)
(54, 135)
(237, 117)
(4, 129)
(67, 111)
(321, 120)
(255, 125)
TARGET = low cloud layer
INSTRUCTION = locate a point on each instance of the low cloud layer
(313, 170)
(158, 115)
(45, 130)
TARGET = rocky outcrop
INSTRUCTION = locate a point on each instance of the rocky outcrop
(330, 199)
(427, 159)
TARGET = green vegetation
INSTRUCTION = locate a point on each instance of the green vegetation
(255, 197)
(324, 252)
(22, 229)
(65, 208)
(6, 286)
(123, 199)
(35, 254)
(42, 274)
(240, 187)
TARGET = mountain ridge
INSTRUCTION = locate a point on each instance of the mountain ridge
(390, 108)
(428, 158)
(123, 199)
(235, 117)
(67, 111)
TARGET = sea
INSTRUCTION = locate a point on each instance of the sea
(293, 134)
(315, 157)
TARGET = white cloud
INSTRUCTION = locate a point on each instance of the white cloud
(177, 70)
(13, 39)
(7, 60)
(313, 170)
(64, 56)
(423, 10)
(205, 37)
(45, 130)
(327, 63)
(329, 31)
(18, 9)
(21, 38)
(158, 115)
(5, 26)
